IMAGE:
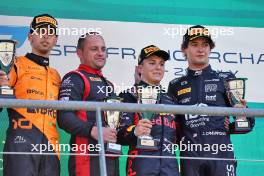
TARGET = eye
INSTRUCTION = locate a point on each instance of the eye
(94, 48)
(194, 44)
(103, 49)
(206, 44)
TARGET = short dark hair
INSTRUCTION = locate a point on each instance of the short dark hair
(82, 38)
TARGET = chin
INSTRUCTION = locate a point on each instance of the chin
(156, 81)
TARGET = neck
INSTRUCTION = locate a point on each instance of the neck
(151, 82)
(197, 67)
(41, 54)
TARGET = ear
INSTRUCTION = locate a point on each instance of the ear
(140, 69)
(80, 54)
(29, 37)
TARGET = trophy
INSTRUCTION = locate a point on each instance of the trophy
(235, 92)
(147, 95)
(112, 120)
(7, 55)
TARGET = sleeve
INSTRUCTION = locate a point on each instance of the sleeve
(125, 132)
(72, 89)
(171, 91)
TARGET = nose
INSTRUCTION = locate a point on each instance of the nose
(201, 48)
(158, 66)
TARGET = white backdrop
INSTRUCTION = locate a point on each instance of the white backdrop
(237, 49)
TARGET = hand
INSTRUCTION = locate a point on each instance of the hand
(3, 78)
(226, 123)
(109, 134)
(242, 105)
(137, 75)
(143, 127)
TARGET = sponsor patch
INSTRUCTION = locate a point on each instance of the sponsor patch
(184, 91)
(184, 83)
(210, 87)
(95, 79)
(185, 100)
(210, 97)
(129, 129)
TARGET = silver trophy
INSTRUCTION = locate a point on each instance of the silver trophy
(112, 120)
(147, 95)
(7, 56)
(235, 89)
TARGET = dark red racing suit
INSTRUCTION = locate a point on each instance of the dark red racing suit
(87, 85)
(163, 131)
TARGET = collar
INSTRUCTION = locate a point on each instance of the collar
(40, 60)
(206, 70)
(144, 84)
(90, 70)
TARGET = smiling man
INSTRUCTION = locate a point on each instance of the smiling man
(161, 126)
(87, 83)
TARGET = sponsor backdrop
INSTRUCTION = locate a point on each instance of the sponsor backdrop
(238, 49)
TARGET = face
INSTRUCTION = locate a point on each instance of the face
(42, 42)
(93, 53)
(197, 53)
(152, 70)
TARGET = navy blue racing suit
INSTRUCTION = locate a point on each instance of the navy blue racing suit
(163, 131)
(204, 88)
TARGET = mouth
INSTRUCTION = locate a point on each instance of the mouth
(157, 74)
(45, 43)
(100, 59)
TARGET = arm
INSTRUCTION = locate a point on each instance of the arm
(130, 125)
(231, 126)
(72, 90)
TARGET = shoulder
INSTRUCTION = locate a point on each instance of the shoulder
(177, 80)
(21, 60)
(224, 74)
(166, 98)
(55, 73)
(71, 79)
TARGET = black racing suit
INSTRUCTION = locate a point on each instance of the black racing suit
(204, 88)
(163, 131)
(79, 123)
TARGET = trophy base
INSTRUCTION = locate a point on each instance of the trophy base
(7, 92)
(242, 126)
(146, 144)
(113, 148)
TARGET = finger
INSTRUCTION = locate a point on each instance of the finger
(148, 131)
(2, 72)
(244, 102)
(3, 77)
(147, 125)
(146, 121)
